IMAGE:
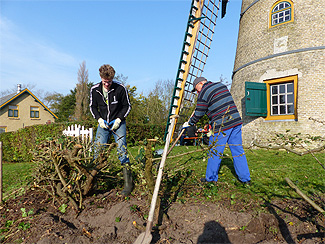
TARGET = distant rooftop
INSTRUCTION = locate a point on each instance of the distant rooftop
(7, 98)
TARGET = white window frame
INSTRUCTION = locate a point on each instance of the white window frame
(282, 12)
(282, 99)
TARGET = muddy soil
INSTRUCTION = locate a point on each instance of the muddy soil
(109, 218)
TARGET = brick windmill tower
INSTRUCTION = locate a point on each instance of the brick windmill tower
(279, 71)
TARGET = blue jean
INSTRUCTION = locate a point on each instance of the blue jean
(233, 137)
(103, 136)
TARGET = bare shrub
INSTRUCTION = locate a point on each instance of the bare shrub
(66, 168)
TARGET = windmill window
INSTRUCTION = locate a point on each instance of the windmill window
(281, 13)
(275, 99)
(282, 99)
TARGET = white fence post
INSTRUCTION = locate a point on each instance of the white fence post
(78, 130)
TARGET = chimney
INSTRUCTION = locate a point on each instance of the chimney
(18, 88)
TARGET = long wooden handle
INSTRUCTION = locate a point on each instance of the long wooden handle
(158, 180)
(179, 136)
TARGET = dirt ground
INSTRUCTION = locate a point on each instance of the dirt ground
(109, 218)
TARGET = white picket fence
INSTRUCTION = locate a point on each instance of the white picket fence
(79, 131)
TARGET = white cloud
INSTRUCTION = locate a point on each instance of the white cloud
(29, 60)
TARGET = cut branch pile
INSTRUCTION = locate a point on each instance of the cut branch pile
(67, 170)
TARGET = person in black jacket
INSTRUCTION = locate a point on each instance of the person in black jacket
(110, 105)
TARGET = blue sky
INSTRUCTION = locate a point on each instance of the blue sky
(42, 43)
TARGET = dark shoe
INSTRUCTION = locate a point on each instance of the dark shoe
(127, 176)
(247, 183)
(204, 180)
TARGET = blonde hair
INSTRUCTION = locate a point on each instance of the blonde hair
(107, 72)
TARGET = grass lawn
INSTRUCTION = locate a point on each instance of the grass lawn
(16, 176)
(268, 171)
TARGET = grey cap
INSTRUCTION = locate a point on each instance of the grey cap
(197, 81)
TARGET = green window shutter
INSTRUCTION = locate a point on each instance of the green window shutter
(255, 99)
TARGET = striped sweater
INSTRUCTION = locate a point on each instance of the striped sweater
(216, 101)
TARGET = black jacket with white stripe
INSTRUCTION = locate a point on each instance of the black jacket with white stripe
(117, 105)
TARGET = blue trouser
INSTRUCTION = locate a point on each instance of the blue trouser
(103, 136)
(234, 139)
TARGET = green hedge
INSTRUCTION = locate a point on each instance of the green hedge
(140, 132)
(17, 145)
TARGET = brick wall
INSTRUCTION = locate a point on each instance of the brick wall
(256, 41)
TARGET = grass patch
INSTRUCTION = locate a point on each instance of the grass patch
(16, 176)
(268, 171)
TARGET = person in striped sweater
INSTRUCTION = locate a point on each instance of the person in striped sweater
(215, 100)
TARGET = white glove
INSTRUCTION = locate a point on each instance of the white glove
(116, 124)
(185, 125)
(210, 133)
(102, 123)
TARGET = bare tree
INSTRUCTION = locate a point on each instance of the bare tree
(158, 101)
(82, 93)
(121, 78)
(14, 89)
(52, 100)
(225, 81)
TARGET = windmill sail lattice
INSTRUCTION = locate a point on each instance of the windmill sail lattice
(196, 46)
